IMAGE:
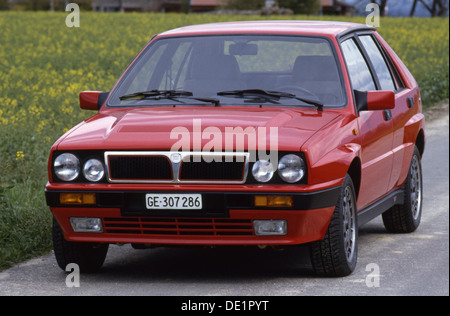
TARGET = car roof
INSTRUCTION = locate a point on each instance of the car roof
(326, 28)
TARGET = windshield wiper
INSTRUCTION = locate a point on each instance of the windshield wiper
(166, 94)
(155, 93)
(252, 93)
(271, 94)
(316, 103)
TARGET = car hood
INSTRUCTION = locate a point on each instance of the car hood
(160, 129)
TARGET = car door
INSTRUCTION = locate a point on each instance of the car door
(389, 79)
(406, 105)
(375, 127)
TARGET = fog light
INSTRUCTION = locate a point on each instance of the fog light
(270, 227)
(77, 198)
(86, 224)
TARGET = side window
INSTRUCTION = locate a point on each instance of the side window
(359, 71)
(379, 63)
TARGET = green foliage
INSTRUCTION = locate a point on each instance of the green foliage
(309, 7)
(25, 226)
(185, 6)
(435, 85)
(4, 5)
(423, 45)
(44, 5)
(245, 5)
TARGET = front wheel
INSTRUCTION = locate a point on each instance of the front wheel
(336, 254)
(88, 256)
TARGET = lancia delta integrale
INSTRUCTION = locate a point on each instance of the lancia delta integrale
(274, 133)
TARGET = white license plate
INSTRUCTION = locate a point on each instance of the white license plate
(173, 201)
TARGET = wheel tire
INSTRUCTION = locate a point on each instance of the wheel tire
(88, 256)
(336, 254)
(406, 218)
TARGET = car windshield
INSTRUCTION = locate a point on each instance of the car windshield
(233, 70)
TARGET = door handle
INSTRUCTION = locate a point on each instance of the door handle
(410, 102)
(387, 115)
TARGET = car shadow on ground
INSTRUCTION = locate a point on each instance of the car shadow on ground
(196, 264)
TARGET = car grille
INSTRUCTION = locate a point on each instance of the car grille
(178, 226)
(191, 171)
(140, 168)
(161, 167)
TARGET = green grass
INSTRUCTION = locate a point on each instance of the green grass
(24, 223)
(44, 65)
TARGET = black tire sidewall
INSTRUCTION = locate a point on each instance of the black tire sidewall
(349, 183)
(328, 256)
(414, 222)
(400, 218)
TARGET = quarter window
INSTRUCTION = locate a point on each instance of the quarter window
(379, 63)
(358, 70)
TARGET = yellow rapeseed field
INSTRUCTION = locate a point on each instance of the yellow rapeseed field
(44, 65)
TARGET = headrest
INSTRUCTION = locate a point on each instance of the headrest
(224, 67)
(315, 68)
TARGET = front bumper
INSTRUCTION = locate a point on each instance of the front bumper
(226, 218)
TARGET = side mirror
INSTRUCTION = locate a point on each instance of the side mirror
(92, 100)
(374, 100)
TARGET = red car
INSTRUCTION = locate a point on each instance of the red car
(274, 133)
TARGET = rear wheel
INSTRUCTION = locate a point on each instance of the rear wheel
(406, 218)
(336, 254)
(88, 256)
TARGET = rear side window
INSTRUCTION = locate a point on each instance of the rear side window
(358, 70)
(379, 63)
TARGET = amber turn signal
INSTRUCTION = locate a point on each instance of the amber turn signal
(274, 201)
(77, 198)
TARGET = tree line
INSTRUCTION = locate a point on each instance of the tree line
(435, 7)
